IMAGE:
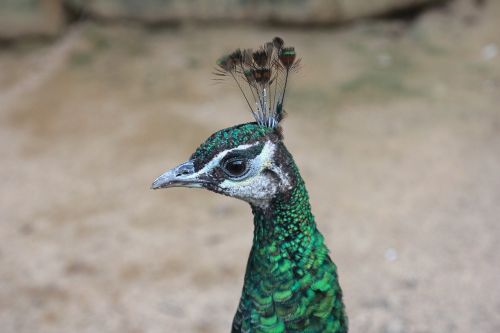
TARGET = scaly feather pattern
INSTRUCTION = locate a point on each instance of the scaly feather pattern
(291, 284)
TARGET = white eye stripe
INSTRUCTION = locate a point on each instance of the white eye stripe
(257, 164)
(217, 158)
(256, 187)
(267, 152)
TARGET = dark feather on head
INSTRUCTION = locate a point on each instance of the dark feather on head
(260, 57)
(287, 56)
(262, 77)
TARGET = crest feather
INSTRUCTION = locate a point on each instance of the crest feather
(262, 77)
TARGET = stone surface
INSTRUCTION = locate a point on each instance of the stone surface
(283, 11)
(352, 9)
(30, 18)
(20, 18)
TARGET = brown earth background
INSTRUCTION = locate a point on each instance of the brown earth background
(395, 124)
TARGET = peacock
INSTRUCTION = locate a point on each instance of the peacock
(290, 284)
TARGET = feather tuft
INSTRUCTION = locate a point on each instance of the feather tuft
(278, 42)
(287, 56)
(262, 77)
(260, 57)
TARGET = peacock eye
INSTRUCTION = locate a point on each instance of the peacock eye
(235, 168)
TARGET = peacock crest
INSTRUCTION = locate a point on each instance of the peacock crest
(262, 77)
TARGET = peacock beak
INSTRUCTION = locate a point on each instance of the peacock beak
(182, 175)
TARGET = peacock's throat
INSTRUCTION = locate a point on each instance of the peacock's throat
(290, 282)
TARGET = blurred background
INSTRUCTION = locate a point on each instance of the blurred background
(394, 121)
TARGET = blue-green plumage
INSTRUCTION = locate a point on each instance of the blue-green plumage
(291, 284)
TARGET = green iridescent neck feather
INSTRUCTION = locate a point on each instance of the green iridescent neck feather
(291, 284)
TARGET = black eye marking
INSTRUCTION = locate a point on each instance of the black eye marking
(235, 167)
(247, 153)
(237, 163)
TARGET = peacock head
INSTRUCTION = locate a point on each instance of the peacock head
(247, 161)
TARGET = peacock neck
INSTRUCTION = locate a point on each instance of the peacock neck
(286, 240)
(286, 226)
(290, 283)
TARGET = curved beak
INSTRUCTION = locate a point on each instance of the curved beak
(182, 175)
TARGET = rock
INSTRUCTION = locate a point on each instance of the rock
(282, 11)
(19, 18)
(352, 9)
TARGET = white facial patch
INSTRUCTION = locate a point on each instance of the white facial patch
(216, 160)
(258, 187)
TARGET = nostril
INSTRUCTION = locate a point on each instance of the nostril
(181, 173)
(184, 169)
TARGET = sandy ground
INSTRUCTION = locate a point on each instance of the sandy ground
(396, 129)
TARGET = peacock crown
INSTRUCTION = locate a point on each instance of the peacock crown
(232, 137)
(262, 77)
